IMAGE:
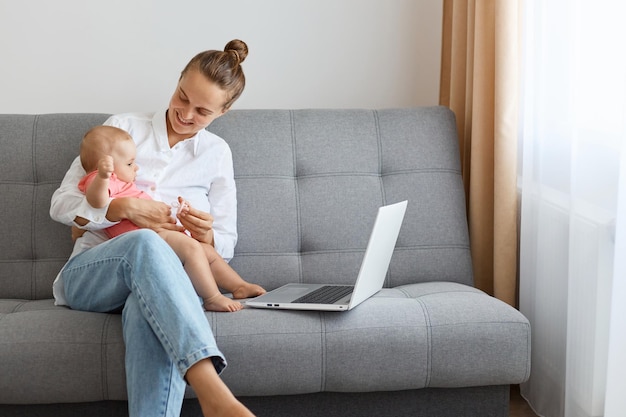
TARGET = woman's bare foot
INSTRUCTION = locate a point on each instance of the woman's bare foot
(248, 290)
(220, 302)
(214, 396)
(234, 409)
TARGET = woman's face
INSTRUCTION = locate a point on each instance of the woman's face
(194, 105)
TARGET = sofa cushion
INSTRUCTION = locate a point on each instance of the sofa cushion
(437, 335)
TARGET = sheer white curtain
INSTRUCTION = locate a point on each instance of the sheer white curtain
(573, 231)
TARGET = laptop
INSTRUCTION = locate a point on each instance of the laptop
(333, 297)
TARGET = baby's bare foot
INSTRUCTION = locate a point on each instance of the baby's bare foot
(248, 290)
(220, 302)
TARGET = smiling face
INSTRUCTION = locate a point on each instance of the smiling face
(193, 106)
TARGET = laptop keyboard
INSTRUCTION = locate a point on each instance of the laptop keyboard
(327, 294)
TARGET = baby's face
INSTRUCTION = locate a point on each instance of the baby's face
(124, 161)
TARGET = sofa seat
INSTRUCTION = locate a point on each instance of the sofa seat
(427, 335)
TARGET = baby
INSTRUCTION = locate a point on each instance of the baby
(108, 156)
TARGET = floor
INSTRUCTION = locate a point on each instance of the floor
(518, 406)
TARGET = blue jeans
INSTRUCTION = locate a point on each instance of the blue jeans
(165, 328)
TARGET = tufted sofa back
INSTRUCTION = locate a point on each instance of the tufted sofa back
(309, 183)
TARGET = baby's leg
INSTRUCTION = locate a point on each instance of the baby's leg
(227, 278)
(195, 263)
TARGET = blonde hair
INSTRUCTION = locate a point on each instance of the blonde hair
(223, 68)
(100, 141)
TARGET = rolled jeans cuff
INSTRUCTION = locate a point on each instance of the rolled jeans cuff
(218, 359)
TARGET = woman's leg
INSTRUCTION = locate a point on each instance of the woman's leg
(162, 388)
(163, 320)
(214, 396)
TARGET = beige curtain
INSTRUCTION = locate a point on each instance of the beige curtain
(479, 82)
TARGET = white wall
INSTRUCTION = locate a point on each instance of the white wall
(126, 55)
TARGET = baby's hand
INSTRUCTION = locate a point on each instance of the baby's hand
(105, 166)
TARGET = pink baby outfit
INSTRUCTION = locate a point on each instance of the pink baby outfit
(117, 189)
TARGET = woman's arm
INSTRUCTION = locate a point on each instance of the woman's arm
(219, 227)
(149, 214)
(223, 199)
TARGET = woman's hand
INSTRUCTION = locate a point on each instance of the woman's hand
(197, 222)
(149, 214)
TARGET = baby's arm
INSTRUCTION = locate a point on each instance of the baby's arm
(97, 192)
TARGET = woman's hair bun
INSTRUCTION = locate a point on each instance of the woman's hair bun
(239, 48)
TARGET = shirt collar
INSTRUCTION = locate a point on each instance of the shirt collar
(160, 133)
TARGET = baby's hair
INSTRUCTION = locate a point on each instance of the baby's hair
(99, 141)
(223, 68)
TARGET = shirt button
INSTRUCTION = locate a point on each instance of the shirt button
(98, 218)
(153, 188)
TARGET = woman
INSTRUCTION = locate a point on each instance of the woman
(168, 339)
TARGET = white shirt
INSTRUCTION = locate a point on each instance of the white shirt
(199, 169)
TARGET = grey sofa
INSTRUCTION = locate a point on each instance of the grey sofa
(309, 183)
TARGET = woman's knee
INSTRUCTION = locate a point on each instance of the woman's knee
(150, 257)
(149, 242)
